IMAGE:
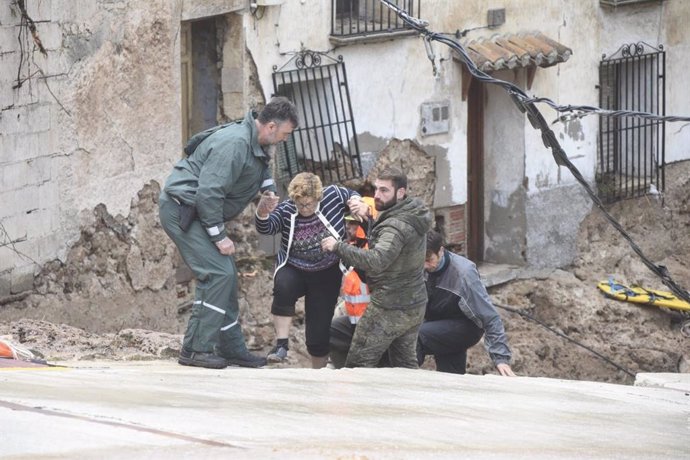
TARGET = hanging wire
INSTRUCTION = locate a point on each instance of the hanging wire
(561, 334)
(527, 105)
(580, 111)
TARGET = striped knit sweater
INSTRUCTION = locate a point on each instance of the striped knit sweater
(332, 208)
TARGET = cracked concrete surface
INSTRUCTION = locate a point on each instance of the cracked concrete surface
(162, 410)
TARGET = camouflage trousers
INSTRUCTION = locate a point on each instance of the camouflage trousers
(380, 330)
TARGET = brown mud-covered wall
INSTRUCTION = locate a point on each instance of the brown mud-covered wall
(127, 290)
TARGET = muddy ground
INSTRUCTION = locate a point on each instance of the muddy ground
(123, 294)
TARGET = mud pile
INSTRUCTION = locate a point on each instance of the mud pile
(123, 280)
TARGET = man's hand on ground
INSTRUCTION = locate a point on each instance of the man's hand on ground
(505, 370)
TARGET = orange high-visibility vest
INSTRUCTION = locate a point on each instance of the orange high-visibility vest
(355, 292)
(372, 212)
(6, 351)
(356, 296)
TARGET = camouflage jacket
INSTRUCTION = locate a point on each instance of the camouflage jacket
(394, 262)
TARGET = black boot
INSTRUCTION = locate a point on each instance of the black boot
(246, 359)
(209, 360)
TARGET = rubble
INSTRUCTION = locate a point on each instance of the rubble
(123, 294)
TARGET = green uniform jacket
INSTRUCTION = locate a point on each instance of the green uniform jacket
(394, 262)
(224, 173)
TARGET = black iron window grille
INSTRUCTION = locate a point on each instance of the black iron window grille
(632, 150)
(617, 3)
(325, 142)
(366, 17)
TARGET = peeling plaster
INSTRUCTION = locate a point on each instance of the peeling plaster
(574, 130)
(444, 184)
(550, 239)
(542, 180)
(370, 143)
(506, 228)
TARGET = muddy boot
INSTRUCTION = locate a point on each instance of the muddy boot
(278, 354)
(246, 360)
(208, 360)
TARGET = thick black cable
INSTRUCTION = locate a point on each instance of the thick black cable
(579, 111)
(561, 334)
(527, 105)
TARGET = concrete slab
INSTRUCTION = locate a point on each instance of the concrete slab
(497, 274)
(680, 382)
(163, 410)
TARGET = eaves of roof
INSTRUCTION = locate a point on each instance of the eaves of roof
(512, 51)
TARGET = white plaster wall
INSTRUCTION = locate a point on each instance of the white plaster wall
(676, 40)
(452, 170)
(109, 119)
(389, 81)
(275, 33)
(658, 23)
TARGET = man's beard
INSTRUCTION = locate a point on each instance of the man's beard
(382, 206)
(270, 150)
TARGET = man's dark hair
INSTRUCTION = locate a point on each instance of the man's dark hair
(395, 175)
(279, 109)
(434, 241)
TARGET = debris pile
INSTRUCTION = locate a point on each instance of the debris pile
(116, 288)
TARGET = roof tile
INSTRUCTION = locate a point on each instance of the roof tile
(511, 51)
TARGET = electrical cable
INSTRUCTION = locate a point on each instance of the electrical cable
(527, 105)
(561, 334)
(580, 111)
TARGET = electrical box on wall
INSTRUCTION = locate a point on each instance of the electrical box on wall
(435, 118)
(495, 18)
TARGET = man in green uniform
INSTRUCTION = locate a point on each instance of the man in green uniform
(227, 166)
(394, 264)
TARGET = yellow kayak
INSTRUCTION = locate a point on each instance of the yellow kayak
(639, 294)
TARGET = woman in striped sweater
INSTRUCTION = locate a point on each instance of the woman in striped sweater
(311, 213)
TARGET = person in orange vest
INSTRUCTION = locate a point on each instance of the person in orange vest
(354, 291)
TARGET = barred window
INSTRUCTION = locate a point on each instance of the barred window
(632, 150)
(325, 142)
(366, 17)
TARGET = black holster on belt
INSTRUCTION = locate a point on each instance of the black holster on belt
(187, 216)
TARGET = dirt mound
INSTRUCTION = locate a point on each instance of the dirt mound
(635, 337)
(60, 342)
(122, 280)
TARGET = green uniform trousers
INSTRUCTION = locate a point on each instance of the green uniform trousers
(381, 329)
(214, 325)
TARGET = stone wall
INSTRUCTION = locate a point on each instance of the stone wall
(90, 108)
(89, 113)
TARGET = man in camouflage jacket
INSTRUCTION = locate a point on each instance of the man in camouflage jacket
(394, 264)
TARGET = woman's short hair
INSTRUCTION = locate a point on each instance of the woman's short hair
(305, 185)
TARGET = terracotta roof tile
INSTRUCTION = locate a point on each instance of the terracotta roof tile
(517, 50)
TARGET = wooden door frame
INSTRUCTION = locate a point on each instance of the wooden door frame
(475, 171)
(186, 77)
